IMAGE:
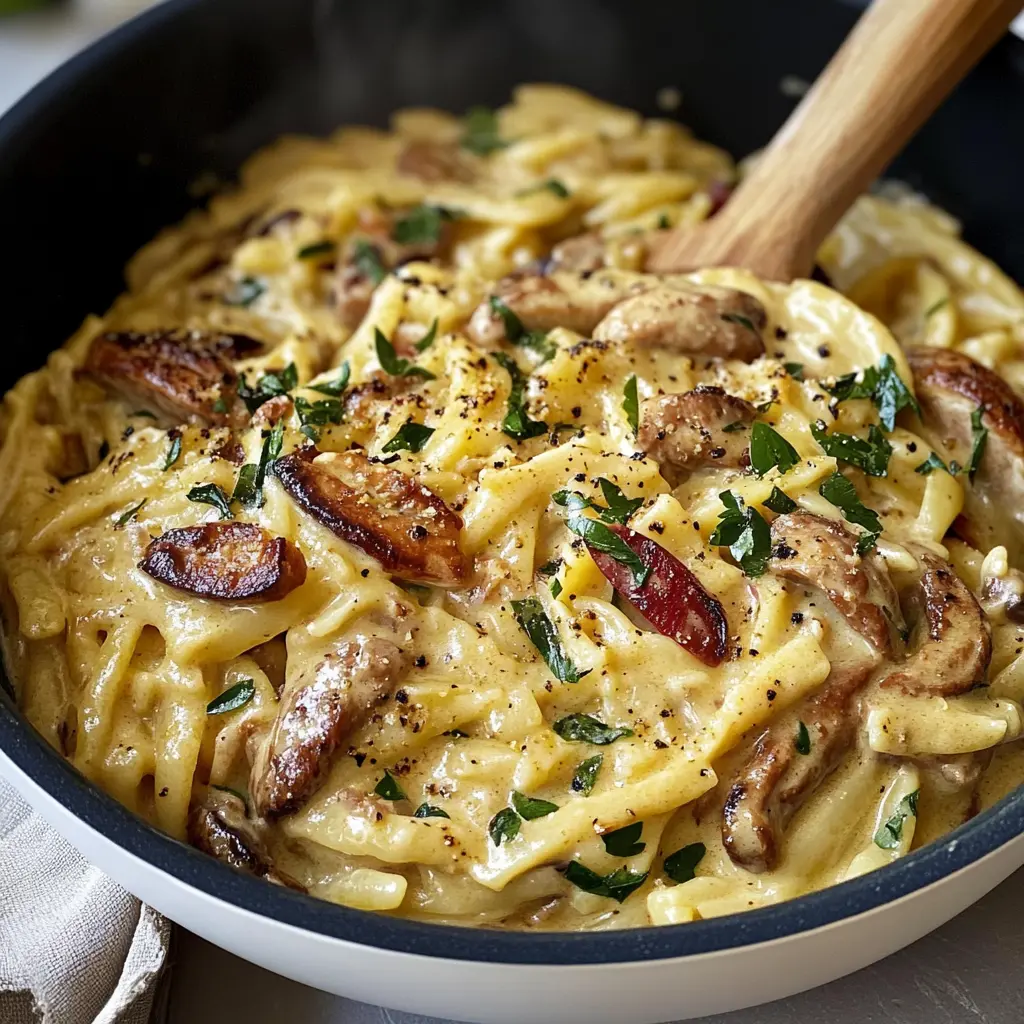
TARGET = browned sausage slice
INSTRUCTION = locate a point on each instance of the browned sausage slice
(186, 375)
(822, 553)
(391, 516)
(951, 651)
(219, 827)
(703, 427)
(706, 320)
(226, 561)
(319, 709)
(430, 160)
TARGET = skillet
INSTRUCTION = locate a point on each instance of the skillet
(117, 143)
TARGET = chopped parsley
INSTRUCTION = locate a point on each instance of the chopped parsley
(769, 448)
(795, 370)
(623, 842)
(619, 507)
(504, 826)
(314, 415)
(251, 477)
(270, 385)
(481, 132)
(392, 364)
(555, 588)
(617, 885)
(245, 292)
(549, 568)
(211, 494)
(883, 385)
(388, 788)
(871, 455)
(429, 811)
(530, 615)
(129, 514)
(838, 490)
(428, 339)
(585, 776)
(422, 225)
(517, 334)
(743, 321)
(663, 223)
(932, 463)
(580, 728)
(366, 257)
(517, 423)
(631, 404)
(681, 866)
(411, 436)
(779, 501)
(233, 698)
(803, 739)
(529, 808)
(552, 185)
(174, 451)
(744, 532)
(597, 535)
(979, 438)
(335, 387)
(890, 834)
(315, 250)
(734, 428)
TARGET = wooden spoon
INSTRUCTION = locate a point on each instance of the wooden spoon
(900, 61)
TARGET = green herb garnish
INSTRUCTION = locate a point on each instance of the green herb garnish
(930, 464)
(883, 385)
(617, 885)
(535, 623)
(411, 436)
(251, 477)
(517, 423)
(529, 808)
(270, 385)
(871, 455)
(744, 532)
(316, 249)
(580, 728)
(233, 698)
(388, 788)
(890, 834)
(598, 536)
(936, 306)
(555, 588)
(129, 514)
(769, 448)
(631, 404)
(619, 507)
(335, 387)
(795, 370)
(481, 134)
(517, 334)
(623, 841)
(803, 739)
(367, 260)
(681, 866)
(743, 321)
(428, 339)
(428, 811)
(503, 826)
(838, 490)
(979, 438)
(779, 501)
(392, 364)
(585, 776)
(174, 451)
(314, 415)
(422, 225)
(552, 185)
(245, 292)
(211, 494)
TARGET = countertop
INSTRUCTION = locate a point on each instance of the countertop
(969, 972)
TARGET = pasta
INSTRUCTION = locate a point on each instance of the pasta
(396, 538)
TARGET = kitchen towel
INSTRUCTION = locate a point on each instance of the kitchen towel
(74, 947)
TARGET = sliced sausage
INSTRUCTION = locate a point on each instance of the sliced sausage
(952, 646)
(430, 160)
(186, 375)
(584, 252)
(218, 826)
(722, 323)
(703, 427)
(226, 561)
(392, 517)
(950, 387)
(272, 411)
(319, 709)
(777, 778)
(822, 553)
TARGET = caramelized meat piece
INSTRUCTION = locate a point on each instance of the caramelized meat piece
(950, 387)
(319, 710)
(402, 524)
(672, 598)
(432, 161)
(372, 245)
(822, 553)
(272, 411)
(694, 320)
(703, 427)
(777, 778)
(952, 645)
(580, 253)
(219, 826)
(186, 375)
(1003, 596)
(227, 561)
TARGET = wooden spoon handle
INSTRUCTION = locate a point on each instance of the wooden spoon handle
(901, 60)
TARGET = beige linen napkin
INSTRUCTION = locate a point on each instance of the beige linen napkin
(74, 947)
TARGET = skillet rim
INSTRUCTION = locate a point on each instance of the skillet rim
(32, 755)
